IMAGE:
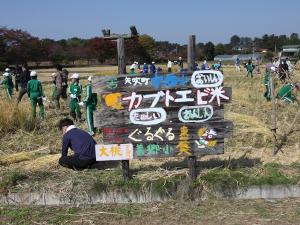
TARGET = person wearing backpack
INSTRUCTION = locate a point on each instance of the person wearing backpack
(36, 94)
(8, 84)
(90, 104)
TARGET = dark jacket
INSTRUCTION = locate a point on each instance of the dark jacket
(24, 78)
(80, 142)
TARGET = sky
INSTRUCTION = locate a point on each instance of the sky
(165, 20)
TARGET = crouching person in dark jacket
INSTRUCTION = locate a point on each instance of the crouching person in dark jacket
(80, 142)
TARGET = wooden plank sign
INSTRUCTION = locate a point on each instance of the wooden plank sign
(114, 152)
(164, 115)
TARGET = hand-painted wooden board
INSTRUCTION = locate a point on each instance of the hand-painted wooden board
(167, 116)
(167, 98)
(132, 82)
(160, 150)
(167, 134)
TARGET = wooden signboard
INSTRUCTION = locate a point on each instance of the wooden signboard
(164, 115)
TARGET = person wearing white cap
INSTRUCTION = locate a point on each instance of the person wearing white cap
(36, 94)
(180, 64)
(132, 69)
(169, 65)
(75, 95)
(90, 104)
(8, 84)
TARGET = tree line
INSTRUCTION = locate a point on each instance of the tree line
(18, 46)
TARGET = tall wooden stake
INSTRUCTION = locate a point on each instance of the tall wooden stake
(192, 160)
(121, 56)
(191, 52)
(273, 116)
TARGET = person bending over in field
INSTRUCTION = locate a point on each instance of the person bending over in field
(80, 142)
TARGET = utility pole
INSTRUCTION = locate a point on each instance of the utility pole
(191, 52)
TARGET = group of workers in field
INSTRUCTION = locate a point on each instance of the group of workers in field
(281, 70)
(26, 82)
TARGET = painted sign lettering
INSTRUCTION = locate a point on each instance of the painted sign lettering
(148, 116)
(151, 135)
(207, 79)
(197, 114)
(114, 152)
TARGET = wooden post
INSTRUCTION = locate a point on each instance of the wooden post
(121, 56)
(192, 160)
(191, 52)
(273, 115)
(125, 169)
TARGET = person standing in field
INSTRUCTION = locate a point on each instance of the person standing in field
(75, 96)
(204, 65)
(145, 68)
(237, 64)
(17, 74)
(90, 104)
(169, 66)
(152, 68)
(180, 64)
(36, 95)
(24, 79)
(250, 67)
(8, 84)
(267, 82)
(60, 86)
(257, 63)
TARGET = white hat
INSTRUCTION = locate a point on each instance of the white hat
(33, 73)
(145, 63)
(132, 66)
(7, 70)
(90, 78)
(75, 76)
(53, 74)
(179, 57)
(153, 62)
(6, 74)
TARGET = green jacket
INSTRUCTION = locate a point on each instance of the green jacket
(250, 67)
(267, 77)
(34, 89)
(75, 89)
(90, 98)
(7, 82)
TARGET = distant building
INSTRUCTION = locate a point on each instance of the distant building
(290, 50)
(242, 57)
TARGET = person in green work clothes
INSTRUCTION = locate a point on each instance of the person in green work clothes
(90, 104)
(8, 84)
(286, 94)
(267, 82)
(36, 94)
(250, 67)
(75, 96)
